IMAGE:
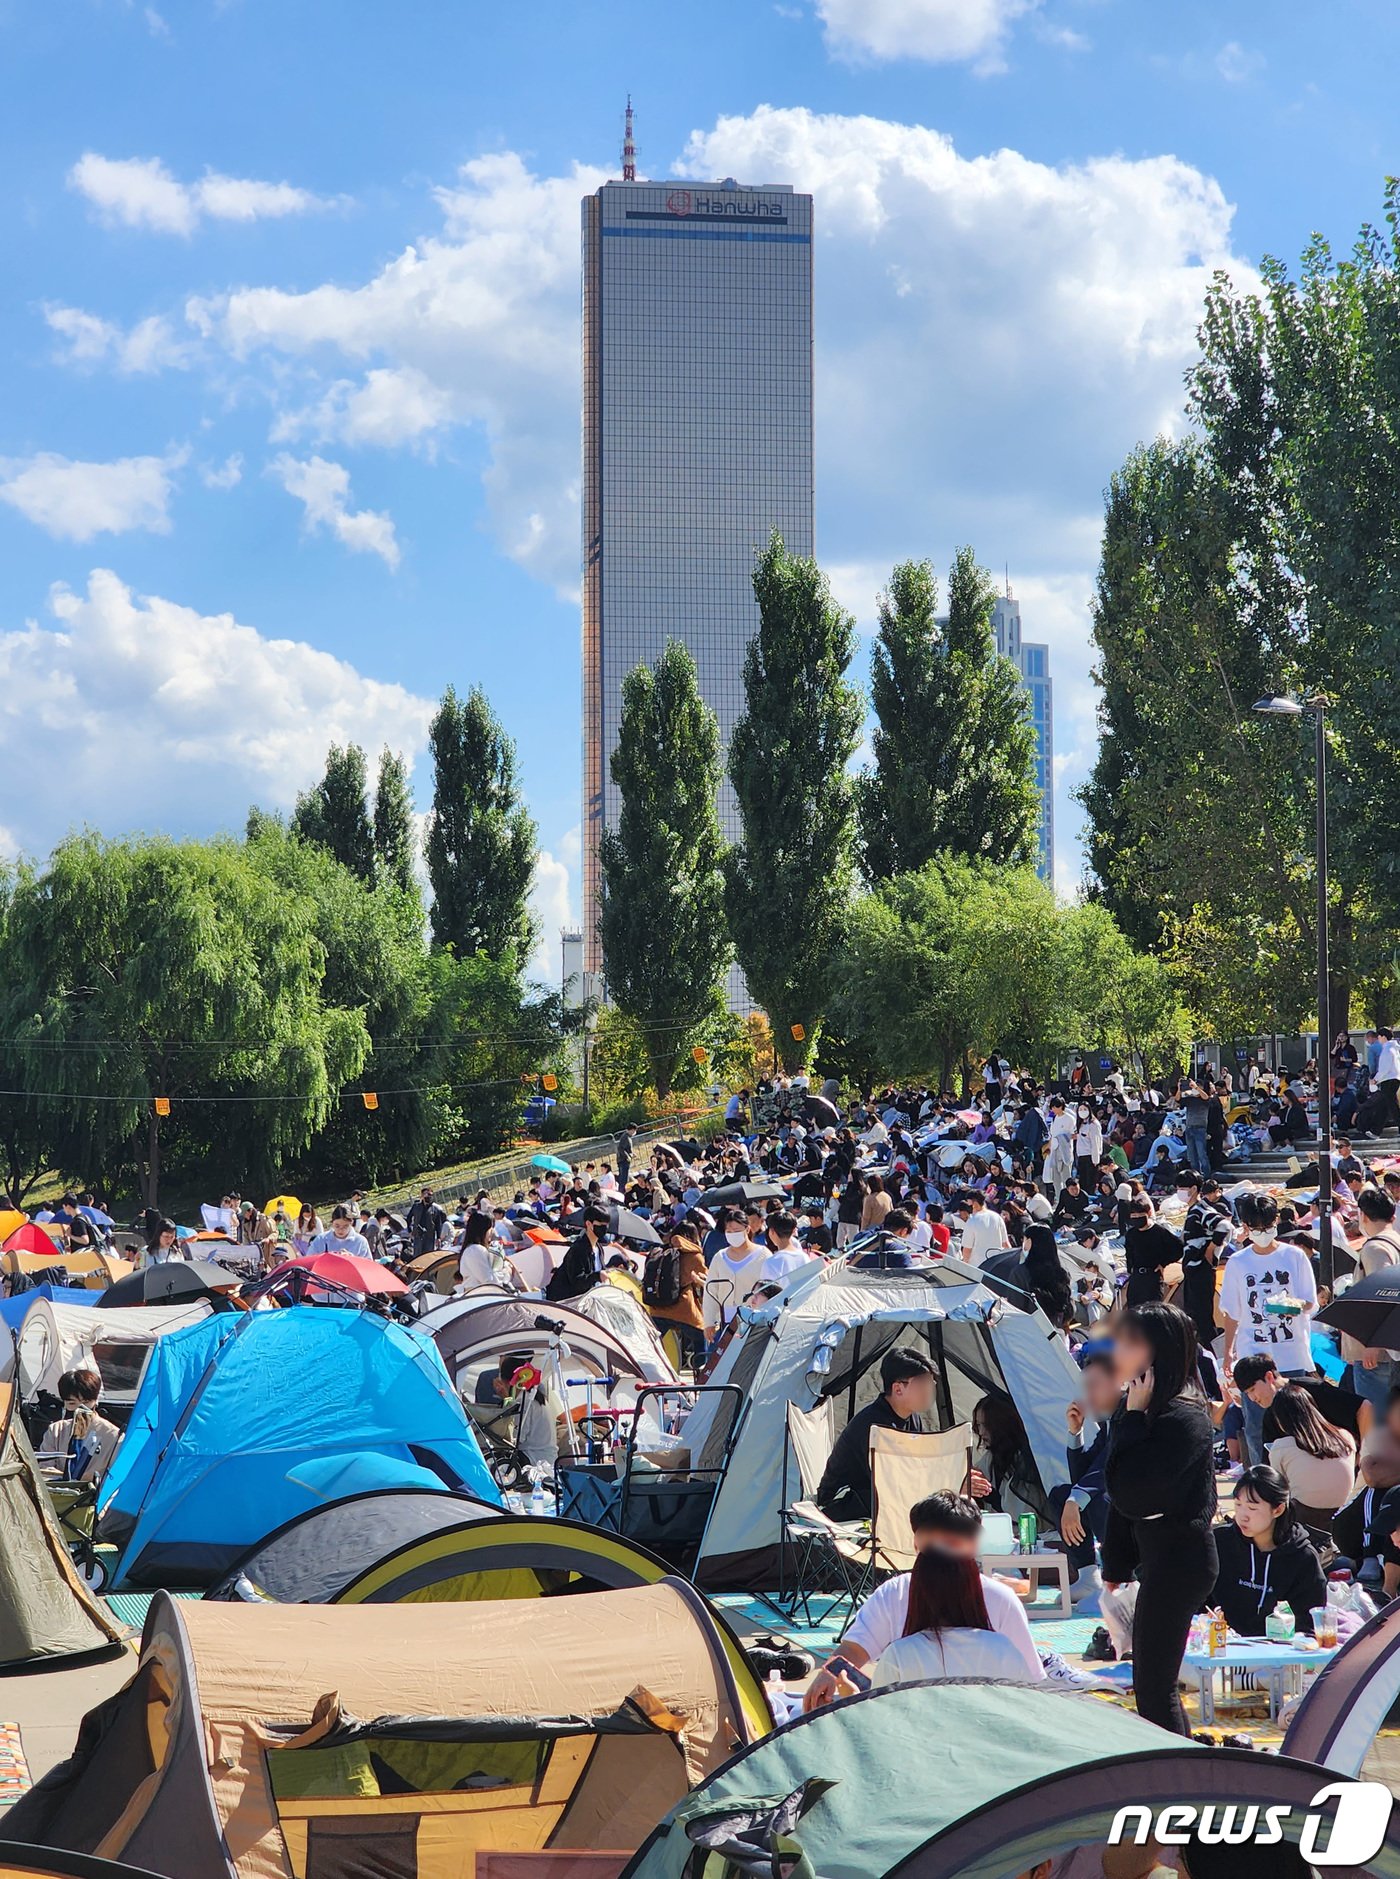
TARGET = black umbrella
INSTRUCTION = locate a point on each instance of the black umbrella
(1369, 1311)
(623, 1224)
(171, 1284)
(740, 1193)
(817, 1109)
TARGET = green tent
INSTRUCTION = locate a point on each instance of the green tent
(45, 1609)
(962, 1781)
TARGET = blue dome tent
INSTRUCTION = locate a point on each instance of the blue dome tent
(244, 1421)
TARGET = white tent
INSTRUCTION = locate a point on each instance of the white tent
(823, 1338)
(113, 1341)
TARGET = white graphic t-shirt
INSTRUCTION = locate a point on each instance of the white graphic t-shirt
(1250, 1281)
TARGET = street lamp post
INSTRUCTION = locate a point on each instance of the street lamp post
(1315, 705)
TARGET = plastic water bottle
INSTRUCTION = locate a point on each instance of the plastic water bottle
(776, 1695)
(537, 1498)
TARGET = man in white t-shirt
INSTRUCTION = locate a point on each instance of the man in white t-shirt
(733, 1273)
(952, 1522)
(983, 1229)
(1270, 1272)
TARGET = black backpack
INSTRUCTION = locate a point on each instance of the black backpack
(661, 1281)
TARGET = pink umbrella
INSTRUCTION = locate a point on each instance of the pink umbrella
(343, 1269)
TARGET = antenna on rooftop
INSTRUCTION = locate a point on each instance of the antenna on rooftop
(629, 148)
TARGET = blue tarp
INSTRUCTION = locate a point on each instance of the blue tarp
(14, 1311)
(242, 1419)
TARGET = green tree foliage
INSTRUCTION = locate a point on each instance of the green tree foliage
(156, 968)
(480, 840)
(1262, 557)
(954, 746)
(958, 956)
(788, 878)
(394, 841)
(665, 946)
(334, 814)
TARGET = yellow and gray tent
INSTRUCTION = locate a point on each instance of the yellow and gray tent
(45, 1609)
(42, 1862)
(260, 1741)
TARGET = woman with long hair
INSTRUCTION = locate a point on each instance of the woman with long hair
(948, 1632)
(1266, 1558)
(1316, 1461)
(849, 1208)
(1160, 1475)
(1004, 1474)
(878, 1203)
(308, 1228)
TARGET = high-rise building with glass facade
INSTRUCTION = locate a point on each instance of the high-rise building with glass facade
(697, 444)
(1033, 660)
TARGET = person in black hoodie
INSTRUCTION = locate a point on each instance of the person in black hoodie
(1160, 1475)
(1266, 1558)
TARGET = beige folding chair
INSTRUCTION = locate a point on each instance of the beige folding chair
(821, 1550)
(905, 1469)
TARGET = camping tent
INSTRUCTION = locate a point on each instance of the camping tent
(1349, 1718)
(15, 1310)
(85, 1266)
(42, 1862)
(1006, 1776)
(474, 1332)
(286, 1742)
(249, 1418)
(45, 1610)
(57, 1336)
(316, 1554)
(823, 1338)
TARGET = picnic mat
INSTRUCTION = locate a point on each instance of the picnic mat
(748, 1614)
(14, 1769)
(130, 1608)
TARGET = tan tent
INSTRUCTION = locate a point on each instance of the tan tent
(319, 1742)
(45, 1609)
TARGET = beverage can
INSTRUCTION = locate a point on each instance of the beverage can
(1025, 1532)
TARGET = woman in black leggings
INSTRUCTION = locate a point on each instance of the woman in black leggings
(1160, 1474)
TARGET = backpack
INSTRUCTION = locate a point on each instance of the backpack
(661, 1280)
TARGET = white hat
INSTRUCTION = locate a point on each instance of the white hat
(1123, 1191)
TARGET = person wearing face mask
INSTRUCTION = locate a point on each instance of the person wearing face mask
(732, 1274)
(1088, 1145)
(1267, 1299)
(1148, 1247)
(1266, 1558)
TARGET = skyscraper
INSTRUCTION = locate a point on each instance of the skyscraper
(697, 443)
(1033, 660)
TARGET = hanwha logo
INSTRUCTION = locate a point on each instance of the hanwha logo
(678, 202)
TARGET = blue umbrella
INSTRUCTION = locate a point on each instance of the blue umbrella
(97, 1217)
(551, 1164)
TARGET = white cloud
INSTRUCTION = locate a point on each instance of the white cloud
(77, 500)
(175, 720)
(156, 24)
(939, 31)
(323, 488)
(140, 192)
(478, 324)
(553, 902)
(225, 475)
(1235, 65)
(391, 406)
(149, 346)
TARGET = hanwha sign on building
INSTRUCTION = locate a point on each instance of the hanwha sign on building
(679, 202)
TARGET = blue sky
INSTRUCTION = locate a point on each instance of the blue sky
(288, 437)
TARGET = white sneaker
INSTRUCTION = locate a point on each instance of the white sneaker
(1088, 1585)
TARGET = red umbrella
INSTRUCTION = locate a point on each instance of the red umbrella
(344, 1269)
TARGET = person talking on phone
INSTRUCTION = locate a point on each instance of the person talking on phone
(1160, 1476)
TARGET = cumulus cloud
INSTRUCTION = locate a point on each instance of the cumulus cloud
(140, 192)
(390, 406)
(225, 475)
(208, 715)
(1236, 65)
(477, 324)
(939, 31)
(323, 489)
(552, 901)
(76, 500)
(149, 346)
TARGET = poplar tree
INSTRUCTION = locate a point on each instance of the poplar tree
(393, 823)
(334, 815)
(665, 945)
(480, 841)
(788, 878)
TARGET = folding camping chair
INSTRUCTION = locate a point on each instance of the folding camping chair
(905, 1469)
(821, 1549)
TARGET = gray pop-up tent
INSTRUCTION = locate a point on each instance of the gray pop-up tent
(1349, 1719)
(822, 1339)
(45, 1609)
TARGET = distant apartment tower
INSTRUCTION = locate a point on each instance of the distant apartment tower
(697, 444)
(1033, 661)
